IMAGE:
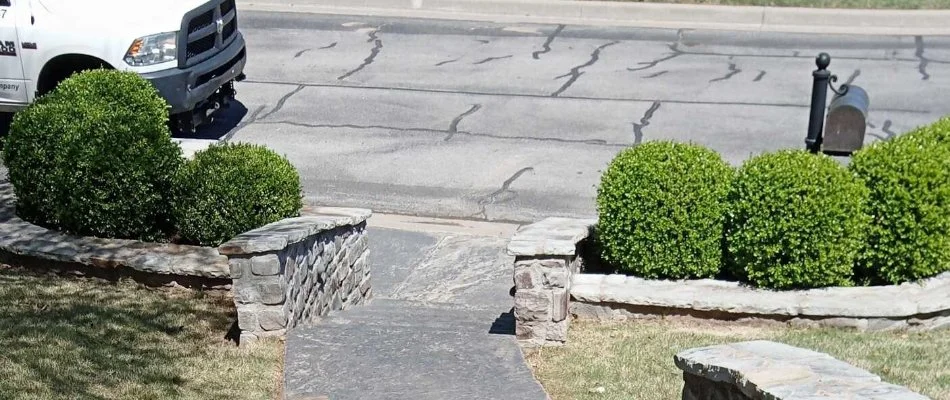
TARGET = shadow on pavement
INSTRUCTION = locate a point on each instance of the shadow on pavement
(221, 127)
(504, 324)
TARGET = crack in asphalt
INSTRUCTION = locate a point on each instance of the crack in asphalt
(492, 198)
(329, 46)
(922, 67)
(592, 142)
(483, 41)
(373, 34)
(489, 59)
(644, 122)
(546, 47)
(300, 53)
(351, 126)
(245, 122)
(377, 47)
(441, 63)
(654, 75)
(545, 96)
(798, 55)
(283, 99)
(650, 64)
(454, 126)
(733, 71)
(854, 75)
(759, 77)
(674, 47)
(576, 73)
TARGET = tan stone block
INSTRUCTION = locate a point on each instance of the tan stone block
(533, 305)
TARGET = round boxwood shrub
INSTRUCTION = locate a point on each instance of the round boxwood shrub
(661, 207)
(233, 188)
(939, 131)
(796, 220)
(909, 182)
(95, 157)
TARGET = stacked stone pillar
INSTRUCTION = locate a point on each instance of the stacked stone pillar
(546, 260)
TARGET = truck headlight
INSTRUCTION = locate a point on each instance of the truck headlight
(153, 49)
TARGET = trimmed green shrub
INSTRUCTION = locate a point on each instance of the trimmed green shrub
(796, 220)
(95, 157)
(939, 131)
(909, 182)
(661, 207)
(233, 188)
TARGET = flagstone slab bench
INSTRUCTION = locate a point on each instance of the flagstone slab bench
(763, 370)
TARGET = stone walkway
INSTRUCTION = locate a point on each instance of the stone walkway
(439, 327)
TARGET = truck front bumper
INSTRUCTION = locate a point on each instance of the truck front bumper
(185, 88)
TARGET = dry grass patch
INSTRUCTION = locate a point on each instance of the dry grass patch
(69, 337)
(634, 360)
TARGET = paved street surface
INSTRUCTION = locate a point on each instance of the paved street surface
(516, 122)
(440, 327)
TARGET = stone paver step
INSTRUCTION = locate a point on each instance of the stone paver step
(422, 315)
(393, 349)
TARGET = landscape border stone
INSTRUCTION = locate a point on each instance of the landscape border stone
(923, 305)
(21, 238)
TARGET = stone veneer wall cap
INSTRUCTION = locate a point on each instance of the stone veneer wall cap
(789, 372)
(550, 237)
(897, 301)
(278, 235)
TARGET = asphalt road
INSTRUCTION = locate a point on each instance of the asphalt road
(516, 122)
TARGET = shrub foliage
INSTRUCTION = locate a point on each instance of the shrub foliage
(233, 188)
(95, 158)
(909, 182)
(661, 207)
(796, 220)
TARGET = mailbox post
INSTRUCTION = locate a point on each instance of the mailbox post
(846, 126)
(819, 97)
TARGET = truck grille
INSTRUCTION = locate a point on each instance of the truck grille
(202, 39)
(229, 29)
(200, 22)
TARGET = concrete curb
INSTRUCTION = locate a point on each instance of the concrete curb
(650, 15)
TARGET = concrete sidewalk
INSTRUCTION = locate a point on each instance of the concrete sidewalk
(652, 15)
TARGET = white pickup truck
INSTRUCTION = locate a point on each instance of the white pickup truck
(191, 50)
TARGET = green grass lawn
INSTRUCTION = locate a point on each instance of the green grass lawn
(634, 360)
(82, 338)
(899, 4)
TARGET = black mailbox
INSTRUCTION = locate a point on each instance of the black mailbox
(847, 122)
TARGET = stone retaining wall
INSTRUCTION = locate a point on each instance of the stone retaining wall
(299, 269)
(555, 247)
(762, 370)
